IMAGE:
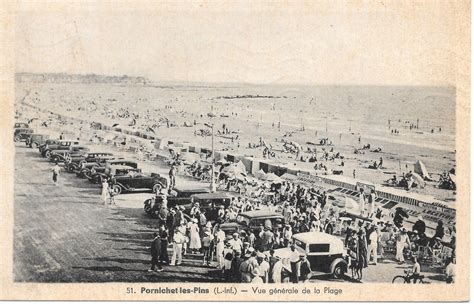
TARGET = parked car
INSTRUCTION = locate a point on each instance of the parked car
(325, 252)
(42, 147)
(97, 173)
(66, 155)
(60, 145)
(178, 196)
(20, 134)
(85, 169)
(209, 203)
(34, 140)
(133, 180)
(75, 162)
(252, 220)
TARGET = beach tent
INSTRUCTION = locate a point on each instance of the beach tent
(419, 180)
(260, 174)
(421, 170)
(271, 177)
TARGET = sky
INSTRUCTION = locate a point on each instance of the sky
(326, 42)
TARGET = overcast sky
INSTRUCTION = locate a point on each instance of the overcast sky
(316, 43)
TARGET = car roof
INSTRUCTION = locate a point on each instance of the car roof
(121, 167)
(215, 195)
(316, 237)
(261, 213)
(101, 153)
(111, 162)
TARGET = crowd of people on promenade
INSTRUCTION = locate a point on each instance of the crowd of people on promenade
(248, 255)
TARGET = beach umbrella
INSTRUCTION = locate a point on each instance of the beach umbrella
(188, 158)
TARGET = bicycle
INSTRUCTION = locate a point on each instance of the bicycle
(406, 279)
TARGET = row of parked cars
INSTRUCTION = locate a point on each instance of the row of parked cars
(325, 252)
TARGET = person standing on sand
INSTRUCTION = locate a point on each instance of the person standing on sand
(354, 173)
(172, 175)
(56, 170)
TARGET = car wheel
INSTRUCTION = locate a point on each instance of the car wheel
(156, 188)
(17, 139)
(47, 154)
(84, 173)
(147, 206)
(71, 168)
(117, 189)
(339, 271)
(55, 159)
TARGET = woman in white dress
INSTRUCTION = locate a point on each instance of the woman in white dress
(105, 192)
(194, 238)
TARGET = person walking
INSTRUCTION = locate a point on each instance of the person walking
(220, 239)
(178, 240)
(371, 204)
(164, 258)
(105, 192)
(172, 174)
(373, 240)
(402, 241)
(56, 171)
(194, 238)
(155, 253)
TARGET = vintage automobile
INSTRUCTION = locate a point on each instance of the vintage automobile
(325, 253)
(34, 140)
(20, 134)
(133, 180)
(252, 220)
(21, 125)
(97, 173)
(75, 162)
(209, 203)
(59, 145)
(66, 155)
(178, 196)
(85, 169)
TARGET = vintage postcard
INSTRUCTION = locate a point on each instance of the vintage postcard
(235, 150)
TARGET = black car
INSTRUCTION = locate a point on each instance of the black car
(66, 155)
(20, 134)
(133, 180)
(34, 140)
(177, 197)
(98, 173)
(75, 162)
(57, 145)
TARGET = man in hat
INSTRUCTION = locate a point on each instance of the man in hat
(155, 253)
(246, 269)
(219, 242)
(294, 260)
(373, 244)
(263, 268)
(402, 242)
(236, 242)
(276, 270)
(287, 234)
(267, 239)
(179, 239)
(178, 217)
(305, 268)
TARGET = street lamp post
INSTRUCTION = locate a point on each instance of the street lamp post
(213, 185)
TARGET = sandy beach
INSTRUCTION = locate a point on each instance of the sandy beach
(349, 116)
